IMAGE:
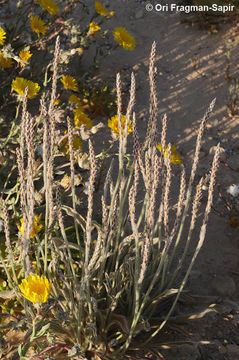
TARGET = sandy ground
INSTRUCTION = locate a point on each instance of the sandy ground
(191, 66)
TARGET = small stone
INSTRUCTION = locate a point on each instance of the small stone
(233, 190)
(224, 286)
(139, 14)
(136, 67)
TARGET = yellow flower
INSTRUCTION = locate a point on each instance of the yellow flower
(20, 84)
(57, 102)
(5, 62)
(50, 6)
(113, 124)
(35, 288)
(100, 9)
(24, 55)
(76, 100)
(38, 25)
(175, 158)
(81, 118)
(77, 144)
(93, 28)
(124, 38)
(35, 229)
(80, 51)
(2, 36)
(111, 13)
(69, 82)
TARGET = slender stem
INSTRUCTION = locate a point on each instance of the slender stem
(13, 125)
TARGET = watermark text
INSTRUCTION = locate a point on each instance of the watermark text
(190, 8)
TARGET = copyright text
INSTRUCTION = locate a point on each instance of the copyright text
(190, 8)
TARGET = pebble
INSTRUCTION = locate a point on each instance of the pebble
(136, 67)
(139, 14)
(224, 285)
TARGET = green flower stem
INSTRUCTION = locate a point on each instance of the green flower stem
(200, 243)
(144, 301)
(46, 237)
(11, 132)
(45, 81)
(33, 334)
(7, 272)
(126, 190)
